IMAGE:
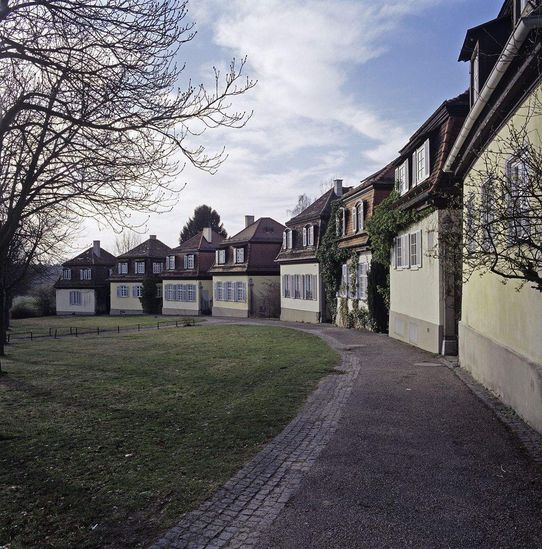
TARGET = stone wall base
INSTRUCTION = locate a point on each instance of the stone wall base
(416, 332)
(180, 312)
(226, 311)
(295, 315)
(512, 377)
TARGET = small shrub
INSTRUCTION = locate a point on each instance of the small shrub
(24, 308)
(45, 299)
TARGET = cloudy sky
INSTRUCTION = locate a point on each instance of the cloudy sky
(341, 86)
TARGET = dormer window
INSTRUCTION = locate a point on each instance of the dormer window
(420, 163)
(67, 274)
(189, 261)
(123, 268)
(157, 268)
(401, 177)
(239, 255)
(308, 235)
(221, 257)
(170, 262)
(475, 75)
(358, 217)
(287, 239)
(140, 267)
(86, 274)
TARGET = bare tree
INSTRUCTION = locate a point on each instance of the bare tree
(303, 202)
(126, 241)
(95, 118)
(503, 205)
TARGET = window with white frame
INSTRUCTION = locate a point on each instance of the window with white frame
(286, 286)
(401, 177)
(221, 257)
(517, 201)
(137, 291)
(86, 274)
(170, 262)
(475, 75)
(75, 298)
(140, 267)
(189, 261)
(310, 235)
(191, 292)
(123, 268)
(289, 239)
(362, 271)
(487, 215)
(122, 291)
(219, 291)
(67, 274)
(420, 163)
(240, 292)
(402, 252)
(239, 255)
(304, 237)
(469, 224)
(157, 267)
(230, 292)
(343, 291)
(415, 242)
(358, 218)
(308, 288)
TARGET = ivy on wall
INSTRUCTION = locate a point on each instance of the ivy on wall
(331, 259)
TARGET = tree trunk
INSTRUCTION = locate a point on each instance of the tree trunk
(4, 316)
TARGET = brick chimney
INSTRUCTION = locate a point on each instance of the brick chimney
(338, 186)
(152, 237)
(96, 250)
(249, 220)
(208, 234)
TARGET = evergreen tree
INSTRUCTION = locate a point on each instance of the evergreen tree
(204, 216)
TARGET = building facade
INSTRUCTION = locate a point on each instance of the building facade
(82, 288)
(144, 261)
(187, 283)
(246, 279)
(302, 291)
(424, 299)
(357, 207)
(499, 332)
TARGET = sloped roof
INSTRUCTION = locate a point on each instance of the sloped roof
(199, 242)
(317, 208)
(264, 229)
(150, 248)
(88, 257)
(384, 175)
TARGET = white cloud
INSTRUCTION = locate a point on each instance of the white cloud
(309, 126)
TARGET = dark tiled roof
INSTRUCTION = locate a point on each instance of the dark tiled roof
(264, 229)
(150, 248)
(89, 258)
(317, 208)
(199, 242)
(385, 175)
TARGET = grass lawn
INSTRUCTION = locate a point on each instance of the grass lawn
(105, 442)
(40, 326)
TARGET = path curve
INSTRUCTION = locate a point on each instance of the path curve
(250, 501)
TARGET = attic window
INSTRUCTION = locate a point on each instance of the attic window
(86, 274)
(287, 239)
(170, 262)
(189, 261)
(239, 255)
(67, 274)
(221, 257)
(140, 267)
(420, 163)
(358, 220)
(123, 268)
(401, 177)
(475, 75)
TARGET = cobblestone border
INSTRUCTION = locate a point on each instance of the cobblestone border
(249, 502)
(529, 437)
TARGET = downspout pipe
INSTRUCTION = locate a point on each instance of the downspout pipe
(516, 40)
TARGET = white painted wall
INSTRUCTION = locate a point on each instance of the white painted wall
(88, 302)
(301, 304)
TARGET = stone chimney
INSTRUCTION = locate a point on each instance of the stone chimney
(338, 186)
(152, 237)
(208, 234)
(249, 220)
(96, 250)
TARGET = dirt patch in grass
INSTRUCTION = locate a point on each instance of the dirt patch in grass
(105, 442)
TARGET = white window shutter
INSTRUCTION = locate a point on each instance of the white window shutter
(362, 215)
(405, 182)
(355, 219)
(406, 251)
(344, 221)
(427, 163)
(414, 168)
(419, 248)
(304, 236)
